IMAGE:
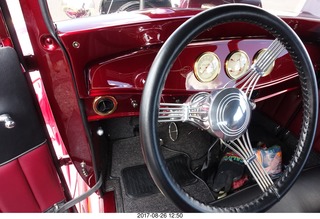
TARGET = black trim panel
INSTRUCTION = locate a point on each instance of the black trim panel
(16, 100)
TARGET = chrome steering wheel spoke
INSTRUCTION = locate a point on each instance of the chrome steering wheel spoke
(257, 70)
(242, 146)
(195, 110)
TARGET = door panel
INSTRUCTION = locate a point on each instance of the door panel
(17, 102)
(29, 181)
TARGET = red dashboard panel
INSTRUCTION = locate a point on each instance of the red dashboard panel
(115, 52)
(130, 71)
(124, 77)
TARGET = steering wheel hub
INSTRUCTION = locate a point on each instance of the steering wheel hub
(229, 113)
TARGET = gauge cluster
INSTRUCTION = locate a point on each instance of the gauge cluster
(208, 65)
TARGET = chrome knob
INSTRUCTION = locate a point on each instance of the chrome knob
(8, 122)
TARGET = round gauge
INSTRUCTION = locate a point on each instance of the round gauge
(207, 67)
(237, 63)
(257, 56)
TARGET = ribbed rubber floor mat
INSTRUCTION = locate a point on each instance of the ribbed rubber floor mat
(138, 182)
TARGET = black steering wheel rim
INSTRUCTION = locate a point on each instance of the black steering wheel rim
(156, 80)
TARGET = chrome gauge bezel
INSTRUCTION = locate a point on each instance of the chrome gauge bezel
(207, 67)
(232, 64)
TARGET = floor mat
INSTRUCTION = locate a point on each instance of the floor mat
(138, 182)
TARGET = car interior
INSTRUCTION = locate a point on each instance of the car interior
(204, 106)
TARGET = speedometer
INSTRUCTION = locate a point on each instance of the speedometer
(207, 67)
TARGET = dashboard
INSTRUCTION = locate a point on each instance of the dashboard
(201, 66)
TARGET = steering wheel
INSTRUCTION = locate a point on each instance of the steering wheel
(216, 110)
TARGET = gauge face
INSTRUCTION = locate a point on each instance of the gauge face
(207, 67)
(257, 56)
(237, 63)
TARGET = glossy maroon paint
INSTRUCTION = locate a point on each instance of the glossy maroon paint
(127, 55)
(113, 76)
(59, 86)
